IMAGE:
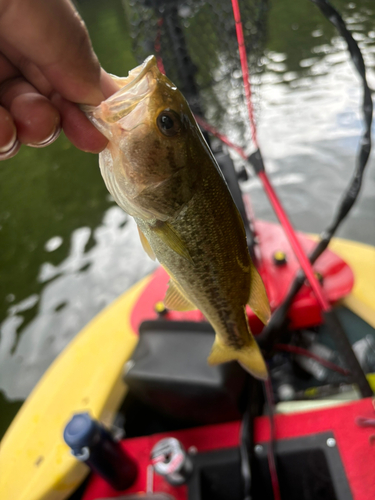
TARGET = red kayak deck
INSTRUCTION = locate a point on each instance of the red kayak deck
(355, 445)
(336, 275)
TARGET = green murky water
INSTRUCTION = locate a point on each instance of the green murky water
(66, 250)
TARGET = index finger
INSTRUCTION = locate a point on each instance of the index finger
(51, 34)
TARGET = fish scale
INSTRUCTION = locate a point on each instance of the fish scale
(213, 290)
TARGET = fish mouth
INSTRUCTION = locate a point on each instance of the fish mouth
(140, 83)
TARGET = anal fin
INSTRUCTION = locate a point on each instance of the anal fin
(258, 300)
(175, 300)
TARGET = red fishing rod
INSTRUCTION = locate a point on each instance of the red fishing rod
(260, 171)
(331, 319)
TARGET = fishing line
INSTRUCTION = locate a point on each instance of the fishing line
(157, 46)
(271, 444)
(246, 438)
(223, 138)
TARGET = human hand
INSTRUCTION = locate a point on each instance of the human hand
(47, 65)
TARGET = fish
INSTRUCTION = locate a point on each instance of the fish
(160, 170)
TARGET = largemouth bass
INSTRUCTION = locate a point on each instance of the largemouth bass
(159, 169)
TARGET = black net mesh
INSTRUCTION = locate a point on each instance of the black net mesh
(195, 42)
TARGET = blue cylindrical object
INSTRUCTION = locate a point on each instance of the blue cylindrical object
(94, 445)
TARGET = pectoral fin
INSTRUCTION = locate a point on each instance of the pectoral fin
(258, 300)
(175, 300)
(249, 357)
(167, 234)
(146, 245)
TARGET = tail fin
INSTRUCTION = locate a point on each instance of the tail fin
(249, 357)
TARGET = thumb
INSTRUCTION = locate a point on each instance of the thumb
(51, 35)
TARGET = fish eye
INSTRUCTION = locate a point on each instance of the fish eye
(168, 123)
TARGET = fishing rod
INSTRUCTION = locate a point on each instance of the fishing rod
(256, 159)
(271, 333)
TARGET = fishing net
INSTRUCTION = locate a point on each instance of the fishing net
(195, 44)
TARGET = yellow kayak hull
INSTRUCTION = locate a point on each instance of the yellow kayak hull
(361, 259)
(35, 463)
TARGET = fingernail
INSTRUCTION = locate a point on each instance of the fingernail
(108, 85)
(11, 148)
(10, 144)
(50, 139)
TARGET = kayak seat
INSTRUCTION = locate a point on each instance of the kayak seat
(169, 372)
